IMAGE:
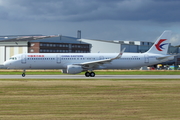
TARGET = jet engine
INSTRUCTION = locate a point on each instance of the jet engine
(72, 69)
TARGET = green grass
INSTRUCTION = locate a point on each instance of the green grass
(89, 99)
(109, 72)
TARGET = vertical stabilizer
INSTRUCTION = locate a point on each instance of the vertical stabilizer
(162, 43)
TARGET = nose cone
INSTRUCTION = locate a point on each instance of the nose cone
(6, 63)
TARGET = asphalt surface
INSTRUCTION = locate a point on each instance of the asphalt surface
(96, 77)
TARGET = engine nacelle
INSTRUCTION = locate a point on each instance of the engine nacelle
(72, 69)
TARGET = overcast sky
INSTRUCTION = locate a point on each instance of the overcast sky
(142, 20)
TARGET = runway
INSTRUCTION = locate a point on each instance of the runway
(96, 77)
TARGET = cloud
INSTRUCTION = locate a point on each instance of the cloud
(175, 39)
(91, 10)
(142, 20)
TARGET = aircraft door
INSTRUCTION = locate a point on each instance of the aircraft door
(23, 59)
(146, 59)
(58, 59)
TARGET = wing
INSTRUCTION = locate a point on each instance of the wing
(94, 64)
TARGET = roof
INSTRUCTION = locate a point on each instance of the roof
(23, 38)
(118, 41)
(41, 38)
(61, 39)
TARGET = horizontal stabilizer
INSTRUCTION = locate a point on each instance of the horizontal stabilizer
(166, 57)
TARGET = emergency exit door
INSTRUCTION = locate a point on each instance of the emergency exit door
(58, 59)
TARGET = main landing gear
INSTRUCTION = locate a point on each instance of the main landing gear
(90, 74)
(24, 74)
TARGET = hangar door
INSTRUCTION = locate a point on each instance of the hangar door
(10, 51)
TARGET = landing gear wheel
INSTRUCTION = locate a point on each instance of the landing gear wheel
(87, 74)
(23, 75)
(92, 74)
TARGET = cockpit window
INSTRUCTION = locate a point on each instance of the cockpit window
(13, 58)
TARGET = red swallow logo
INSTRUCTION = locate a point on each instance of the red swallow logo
(159, 46)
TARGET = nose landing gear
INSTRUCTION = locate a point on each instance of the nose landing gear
(24, 73)
(90, 74)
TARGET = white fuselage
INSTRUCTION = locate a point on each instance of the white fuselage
(61, 60)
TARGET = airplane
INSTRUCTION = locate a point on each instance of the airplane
(74, 63)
